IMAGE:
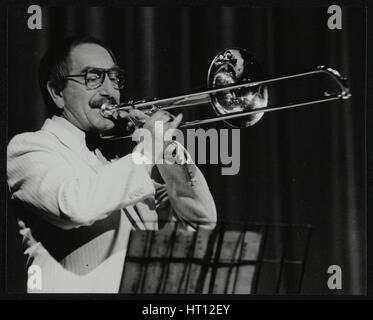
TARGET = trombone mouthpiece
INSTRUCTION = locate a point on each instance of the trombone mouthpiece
(107, 109)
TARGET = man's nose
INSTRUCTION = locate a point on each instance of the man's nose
(107, 88)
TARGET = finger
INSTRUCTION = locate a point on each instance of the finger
(176, 122)
(130, 126)
(115, 115)
(21, 224)
(123, 114)
(167, 118)
(161, 115)
(138, 114)
(27, 239)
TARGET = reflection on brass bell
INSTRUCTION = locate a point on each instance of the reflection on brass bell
(230, 66)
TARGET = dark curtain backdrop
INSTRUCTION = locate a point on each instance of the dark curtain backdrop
(304, 166)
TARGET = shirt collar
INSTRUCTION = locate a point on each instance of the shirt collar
(68, 126)
(66, 132)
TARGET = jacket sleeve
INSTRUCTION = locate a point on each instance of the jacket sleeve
(67, 195)
(189, 193)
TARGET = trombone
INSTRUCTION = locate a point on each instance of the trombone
(236, 90)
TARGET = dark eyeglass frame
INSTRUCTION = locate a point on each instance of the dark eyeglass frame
(101, 73)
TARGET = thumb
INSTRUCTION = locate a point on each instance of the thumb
(176, 122)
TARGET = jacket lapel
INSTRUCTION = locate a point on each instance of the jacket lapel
(70, 139)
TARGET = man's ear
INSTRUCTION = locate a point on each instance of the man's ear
(57, 96)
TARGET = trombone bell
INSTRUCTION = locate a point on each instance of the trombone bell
(232, 66)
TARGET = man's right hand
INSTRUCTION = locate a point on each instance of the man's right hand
(167, 119)
(157, 125)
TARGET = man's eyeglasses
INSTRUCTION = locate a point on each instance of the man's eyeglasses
(95, 77)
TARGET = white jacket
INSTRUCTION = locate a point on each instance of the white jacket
(83, 209)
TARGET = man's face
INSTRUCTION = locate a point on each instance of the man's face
(82, 105)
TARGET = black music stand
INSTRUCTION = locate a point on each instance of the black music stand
(231, 259)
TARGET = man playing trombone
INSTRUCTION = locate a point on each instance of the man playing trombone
(80, 206)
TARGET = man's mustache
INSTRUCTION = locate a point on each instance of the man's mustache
(96, 104)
